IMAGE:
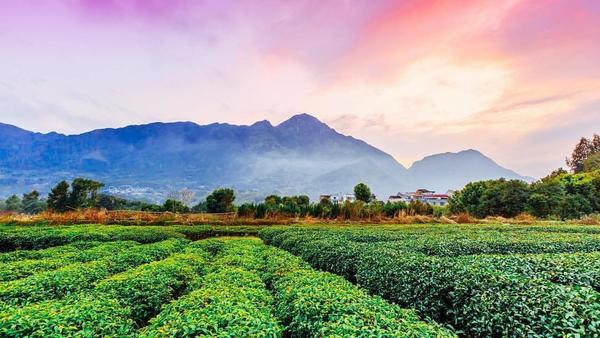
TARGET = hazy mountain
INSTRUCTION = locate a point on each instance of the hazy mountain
(300, 155)
(453, 170)
(156, 158)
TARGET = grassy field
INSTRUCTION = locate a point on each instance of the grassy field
(300, 281)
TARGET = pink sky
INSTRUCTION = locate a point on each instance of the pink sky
(517, 80)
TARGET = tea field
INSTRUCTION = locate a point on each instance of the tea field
(300, 281)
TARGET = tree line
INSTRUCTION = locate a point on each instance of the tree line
(83, 193)
(561, 194)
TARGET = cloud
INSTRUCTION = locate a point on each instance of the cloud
(411, 77)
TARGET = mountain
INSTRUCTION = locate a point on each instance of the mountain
(299, 156)
(151, 160)
(454, 170)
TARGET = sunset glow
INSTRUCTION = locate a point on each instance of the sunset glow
(518, 80)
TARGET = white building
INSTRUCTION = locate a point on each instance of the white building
(422, 195)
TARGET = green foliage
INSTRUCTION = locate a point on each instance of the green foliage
(84, 193)
(79, 315)
(583, 150)
(220, 201)
(230, 301)
(53, 252)
(306, 304)
(491, 198)
(41, 237)
(31, 203)
(75, 277)
(430, 270)
(13, 203)
(23, 268)
(58, 199)
(592, 163)
(175, 206)
(393, 209)
(246, 210)
(146, 288)
(564, 195)
(362, 192)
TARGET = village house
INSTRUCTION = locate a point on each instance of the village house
(421, 195)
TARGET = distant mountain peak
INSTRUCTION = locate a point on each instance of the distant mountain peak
(262, 124)
(303, 121)
(455, 169)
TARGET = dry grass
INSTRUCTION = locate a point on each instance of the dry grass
(464, 218)
(94, 216)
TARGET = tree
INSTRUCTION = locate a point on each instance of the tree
(31, 203)
(362, 192)
(200, 207)
(584, 149)
(171, 205)
(592, 163)
(220, 200)
(58, 199)
(545, 198)
(246, 210)
(13, 203)
(84, 193)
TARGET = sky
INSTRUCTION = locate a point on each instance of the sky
(518, 80)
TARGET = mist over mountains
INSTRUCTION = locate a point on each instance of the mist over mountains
(299, 156)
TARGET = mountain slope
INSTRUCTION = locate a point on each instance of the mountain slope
(161, 157)
(299, 156)
(453, 170)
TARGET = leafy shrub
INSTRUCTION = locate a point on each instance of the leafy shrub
(80, 315)
(232, 302)
(478, 295)
(313, 303)
(145, 288)
(79, 276)
(40, 238)
(24, 268)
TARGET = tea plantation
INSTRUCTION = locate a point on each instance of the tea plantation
(300, 281)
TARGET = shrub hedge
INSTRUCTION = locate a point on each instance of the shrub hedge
(231, 302)
(45, 237)
(512, 295)
(23, 268)
(79, 276)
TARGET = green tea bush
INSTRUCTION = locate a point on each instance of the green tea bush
(53, 252)
(232, 302)
(313, 303)
(79, 315)
(145, 288)
(39, 238)
(79, 276)
(24, 268)
(510, 295)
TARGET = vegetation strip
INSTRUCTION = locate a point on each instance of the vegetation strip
(133, 296)
(52, 252)
(230, 301)
(79, 276)
(478, 299)
(313, 303)
(23, 268)
(15, 242)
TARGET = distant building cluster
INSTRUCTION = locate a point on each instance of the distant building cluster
(422, 195)
(338, 198)
(341, 198)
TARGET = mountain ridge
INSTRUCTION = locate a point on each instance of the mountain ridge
(300, 155)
